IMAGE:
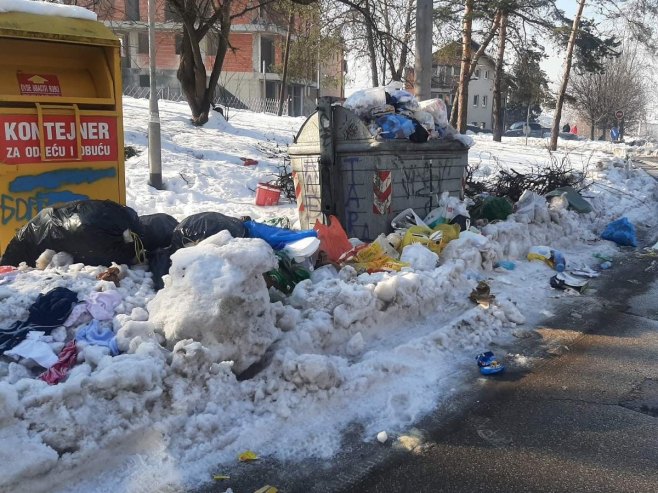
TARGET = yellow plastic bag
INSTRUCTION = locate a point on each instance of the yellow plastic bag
(429, 237)
(371, 258)
(247, 456)
(449, 232)
(267, 489)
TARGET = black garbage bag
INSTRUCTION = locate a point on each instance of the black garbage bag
(420, 134)
(159, 263)
(157, 230)
(94, 232)
(197, 227)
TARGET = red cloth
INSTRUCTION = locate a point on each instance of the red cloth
(59, 370)
(574, 130)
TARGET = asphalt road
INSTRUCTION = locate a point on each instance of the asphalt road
(583, 421)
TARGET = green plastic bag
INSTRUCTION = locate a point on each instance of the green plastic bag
(491, 208)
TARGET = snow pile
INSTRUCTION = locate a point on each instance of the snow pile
(381, 349)
(215, 294)
(47, 8)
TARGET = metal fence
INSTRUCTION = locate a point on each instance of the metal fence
(258, 105)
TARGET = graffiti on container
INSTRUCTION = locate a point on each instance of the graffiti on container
(44, 191)
(352, 199)
(311, 184)
(418, 182)
(351, 131)
(355, 217)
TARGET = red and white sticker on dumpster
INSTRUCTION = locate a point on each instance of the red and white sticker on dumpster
(38, 84)
(20, 139)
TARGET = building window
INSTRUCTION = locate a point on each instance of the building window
(483, 125)
(266, 54)
(476, 100)
(484, 101)
(132, 10)
(455, 70)
(486, 74)
(477, 73)
(144, 81)
(179, 43)
(143, 43)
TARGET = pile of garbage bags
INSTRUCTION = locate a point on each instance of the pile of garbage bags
(392, 113)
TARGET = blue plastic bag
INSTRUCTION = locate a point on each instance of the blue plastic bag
(277, 238)
(395, 126)
(621, 231)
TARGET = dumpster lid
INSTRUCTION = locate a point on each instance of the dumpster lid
(51, 27)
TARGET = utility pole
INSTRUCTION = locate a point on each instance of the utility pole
(284, 79)
(423, 66)
(155, 144)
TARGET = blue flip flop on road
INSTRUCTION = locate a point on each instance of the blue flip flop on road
(488, 363)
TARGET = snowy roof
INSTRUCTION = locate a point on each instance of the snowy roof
(46, 8)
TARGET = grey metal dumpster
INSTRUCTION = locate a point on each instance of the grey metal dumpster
(366, 182)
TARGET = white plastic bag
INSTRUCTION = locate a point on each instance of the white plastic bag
(425, 119)
(532, 207)
(449, 207)
(438, 110)
(363, 101)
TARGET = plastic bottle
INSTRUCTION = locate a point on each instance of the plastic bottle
(558, 260)
(553, 258)
(606, 265)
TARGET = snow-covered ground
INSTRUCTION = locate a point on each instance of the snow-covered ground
(379, 349)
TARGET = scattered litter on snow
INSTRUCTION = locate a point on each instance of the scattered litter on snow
(379, 348)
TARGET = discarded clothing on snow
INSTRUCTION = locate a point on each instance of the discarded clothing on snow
(97, 335)
(35, 347)
(276, 237)
(101, 305)
(48, 312)
(93, 232)
(621, 231)
(66, 360)
(198, 227)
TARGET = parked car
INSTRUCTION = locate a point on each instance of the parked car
(536, 130)
(478, 130)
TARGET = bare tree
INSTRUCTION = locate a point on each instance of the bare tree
(621, 86)
(565, 76)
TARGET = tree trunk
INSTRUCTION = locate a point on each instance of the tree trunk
(192, 77)
(565, 78)
(397, 74)
(284, 77)
(474, 61)
(465, 66)
(591, 130)
(371, 49)
(498, 81)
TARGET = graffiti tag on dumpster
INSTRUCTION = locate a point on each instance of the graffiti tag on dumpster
(20, 139)
(44, 190)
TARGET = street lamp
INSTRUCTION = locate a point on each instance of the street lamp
(155, 144)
